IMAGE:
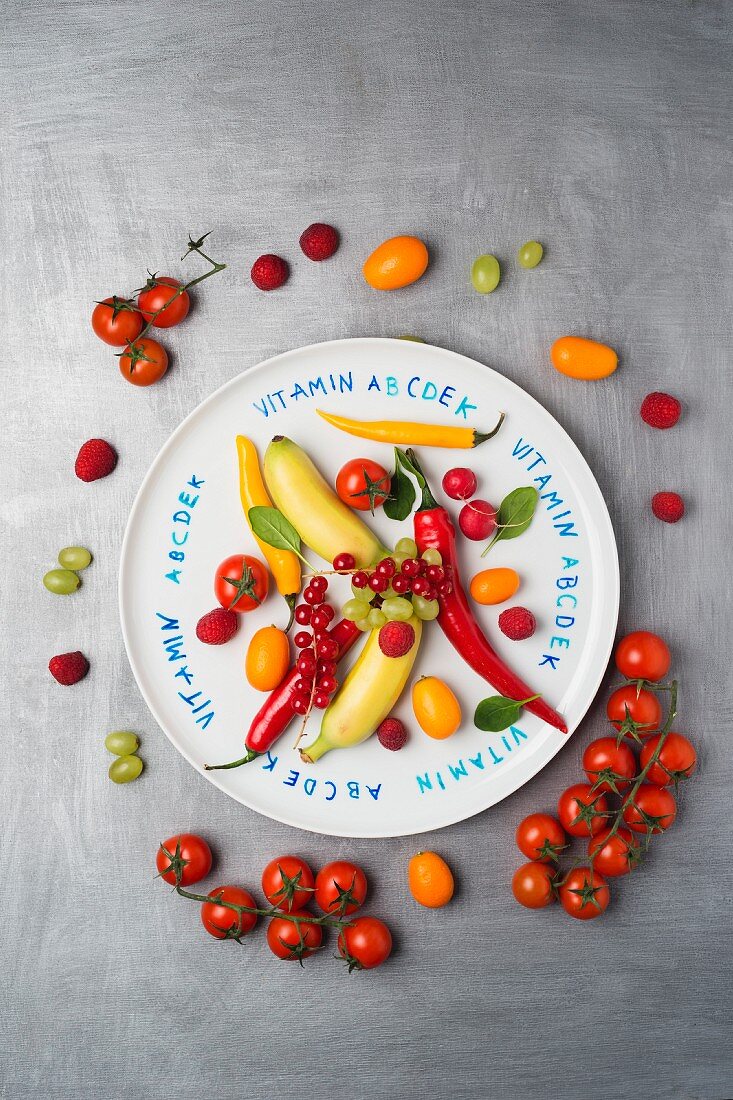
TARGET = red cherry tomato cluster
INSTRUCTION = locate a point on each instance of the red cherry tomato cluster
(293, 931)
(124, 321)
(318, 656)
(624, 802)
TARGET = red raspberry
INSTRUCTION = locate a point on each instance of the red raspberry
(69, 668)
(669, 507)
(217, 626)
(396, 639)
(660, 410)
(96, 458)
(392, 734)
(269, 272)
(319, 241)
(517, 623)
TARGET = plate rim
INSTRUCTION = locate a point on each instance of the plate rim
(381, 342)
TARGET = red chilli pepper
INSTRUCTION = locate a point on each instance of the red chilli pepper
(434, 529)
(276, 713)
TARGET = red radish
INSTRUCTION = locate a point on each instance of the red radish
(459, 483)
(477, 520)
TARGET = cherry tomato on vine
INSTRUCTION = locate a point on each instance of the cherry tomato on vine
(145, 361)
(365, 944)
(652, 811)
(186, 853)
(363, 484)
(341, 887)
(643, 708)
(584, 894)
(293, 939)
(241, 583)
(116, 326)
(614, 762)
(642, 655)
(532, 885)
(162, 294)
(581, 810)
(540, 837)
(226, 924)
(677, 759)
(615, 855)
(287, 882)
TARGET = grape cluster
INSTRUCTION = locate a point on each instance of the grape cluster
(398, 587)
(318, 654)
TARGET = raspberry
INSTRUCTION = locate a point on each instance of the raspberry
(660, 410)
(517, 623)
(269, 272)
(392, 734)
(69, 668)
(96, 458)
(217, 626)
(396, 639)
(669, 507)
(319, 241)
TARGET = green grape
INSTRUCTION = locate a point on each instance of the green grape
(377, 618)
(485, 274)
(397, 608)
(125, 768)
(363, 625)
(122, 742)
(399, 558)
(425, 609)
(364, 594)
(432, 557)
(530, 254)
(74, 557)
(406, 548)
(354, 610)
(62, 582)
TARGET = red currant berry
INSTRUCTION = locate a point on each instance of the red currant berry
(306, 663)
(435, 573)
(321, 700)
(411, 567)
(422, 567)
(302, 639)
(328, 684)
(430, 592)
(420, 586)
(320, 618)
(327, 649)
(326, 668)
(319, 583)
(303, 614)
(386, 568)
(312, 595)
(378, 583)
(400, 584)
(360, 580)
(344, 562)
(302, 686)
(446, 588)
(300, 704)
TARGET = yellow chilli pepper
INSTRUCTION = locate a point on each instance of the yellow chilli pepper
(407, 433)
(284, 564)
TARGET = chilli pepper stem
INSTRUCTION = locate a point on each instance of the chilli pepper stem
(251, 755)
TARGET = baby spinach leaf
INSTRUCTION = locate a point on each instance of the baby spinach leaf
(274, 528)
(515, 514)
(498, 713)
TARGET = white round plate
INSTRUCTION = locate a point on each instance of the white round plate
(187, 517)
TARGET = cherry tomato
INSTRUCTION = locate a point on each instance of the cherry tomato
(341, 887)
(241, 583)
(676, 760)
(643, 708)
(614, 856)
(540, 837)
(226, 924)
(293, 939)
(186, 854)
(652, 811)
(164, 290)
(116, 326)
(584, 894)
(363, 484)
(642, 655)
(288, 883)
(613, 762)
(144, 362)
(532, 885)
(581, 810)
(365, 944)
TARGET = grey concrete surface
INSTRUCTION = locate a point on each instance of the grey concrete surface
(603, 129)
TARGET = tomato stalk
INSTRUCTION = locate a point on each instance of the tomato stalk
(269, 911)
